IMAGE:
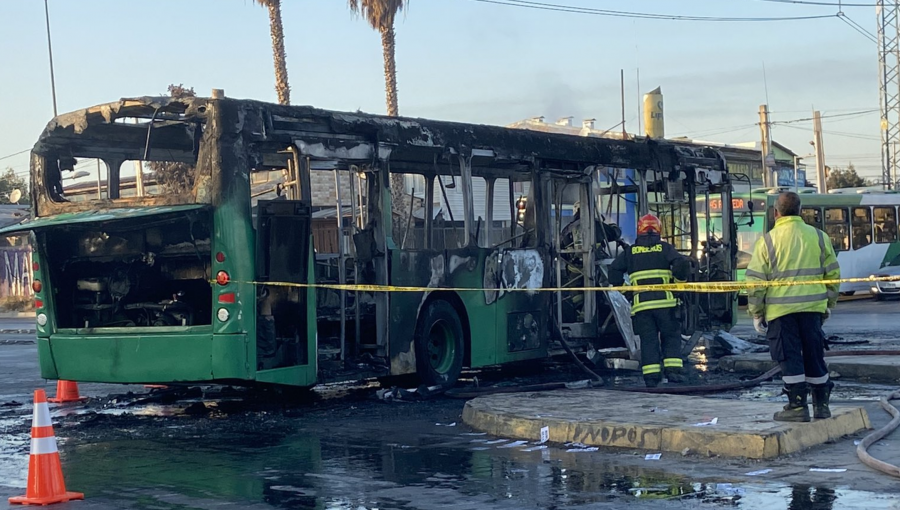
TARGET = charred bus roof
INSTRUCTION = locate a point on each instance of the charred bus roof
(335, 135)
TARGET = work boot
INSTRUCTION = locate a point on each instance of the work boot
(796, 408)
(652, 381)
(675, 376)
(821, 394)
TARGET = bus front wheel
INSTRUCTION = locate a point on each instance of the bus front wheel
(439, 344)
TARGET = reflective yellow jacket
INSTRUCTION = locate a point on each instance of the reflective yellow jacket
(797, 252)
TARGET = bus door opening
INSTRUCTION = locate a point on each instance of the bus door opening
(282, 256)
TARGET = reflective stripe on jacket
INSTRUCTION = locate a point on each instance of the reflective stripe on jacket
(797, 252)
(649, 261)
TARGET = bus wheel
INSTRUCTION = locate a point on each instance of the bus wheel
(439, 345)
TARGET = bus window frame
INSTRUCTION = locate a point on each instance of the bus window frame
(854, 224)
(847, 223)
(820, 224)
(893, 211)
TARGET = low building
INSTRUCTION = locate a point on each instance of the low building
(741, 158)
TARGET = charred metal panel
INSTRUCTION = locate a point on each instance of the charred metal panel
(521, 269)
(524, 331)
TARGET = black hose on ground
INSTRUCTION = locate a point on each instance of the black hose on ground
(862, 448)
(670, 390)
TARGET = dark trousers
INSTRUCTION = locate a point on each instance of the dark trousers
(797, 343)
(655, 327)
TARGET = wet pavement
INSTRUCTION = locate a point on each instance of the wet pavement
(366, 455)
(348, 450)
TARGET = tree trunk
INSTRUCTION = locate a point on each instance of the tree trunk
(390, 70)
(281, 73)
(400, 202)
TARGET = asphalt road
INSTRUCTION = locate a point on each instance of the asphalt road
(347, 450)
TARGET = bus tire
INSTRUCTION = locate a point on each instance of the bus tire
(440, 344)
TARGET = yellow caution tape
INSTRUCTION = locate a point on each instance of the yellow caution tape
(702, 287)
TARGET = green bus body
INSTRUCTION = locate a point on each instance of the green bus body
(861, 224)
(175, 285)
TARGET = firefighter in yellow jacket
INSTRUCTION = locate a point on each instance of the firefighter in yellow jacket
(652, 261)
(791, 317)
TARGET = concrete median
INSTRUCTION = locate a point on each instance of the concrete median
(658, 423)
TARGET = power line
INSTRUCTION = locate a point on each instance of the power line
(15, 154)
(837, 133)
(827, 4)
(640, 15)
(856, 26)
(851, 114)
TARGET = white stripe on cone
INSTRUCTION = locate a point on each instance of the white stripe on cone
(43, 445)
(41, 415)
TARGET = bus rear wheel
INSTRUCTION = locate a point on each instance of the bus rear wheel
(439, 344)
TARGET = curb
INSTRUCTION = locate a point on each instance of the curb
(17, 342)
(576, 419)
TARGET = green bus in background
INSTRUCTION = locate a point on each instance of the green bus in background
(861, 224)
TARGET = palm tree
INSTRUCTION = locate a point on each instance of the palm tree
(277, 29)
(381, 14)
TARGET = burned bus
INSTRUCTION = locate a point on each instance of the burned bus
(454, 245)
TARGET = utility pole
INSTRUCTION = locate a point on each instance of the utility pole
(640, 103)
(821, 184)
(767, 162)
(888, 14)
(622, 86)
(50, 51)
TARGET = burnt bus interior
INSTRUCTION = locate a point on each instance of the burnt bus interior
(464, 197)
(119, 271)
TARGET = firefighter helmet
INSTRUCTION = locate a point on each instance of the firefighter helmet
(647, 223)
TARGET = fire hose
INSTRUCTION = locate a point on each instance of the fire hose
(863, 447)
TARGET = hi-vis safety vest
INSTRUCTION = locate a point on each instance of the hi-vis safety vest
(648, 263)
(792, 251)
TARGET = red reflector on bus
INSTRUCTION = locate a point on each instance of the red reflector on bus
(222, 278)
(38, 303)
(220, 257)
(36, 286)
(35, 266)
(228, 297)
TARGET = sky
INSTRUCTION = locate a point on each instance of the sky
(463, 60)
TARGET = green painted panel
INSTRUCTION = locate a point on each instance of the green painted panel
(139, 358)
(48, 367)
(226, 364)
(294, 376)
(234, 236)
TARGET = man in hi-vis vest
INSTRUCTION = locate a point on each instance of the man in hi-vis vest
(651, 261)
(791, 316)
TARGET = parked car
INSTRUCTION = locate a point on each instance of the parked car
(883, 290)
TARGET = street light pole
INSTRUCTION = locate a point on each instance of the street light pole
(50, 51)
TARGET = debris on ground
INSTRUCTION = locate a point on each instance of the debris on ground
(723, 344)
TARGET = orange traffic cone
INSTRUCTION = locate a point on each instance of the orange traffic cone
(45, 478)
(67, 391)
